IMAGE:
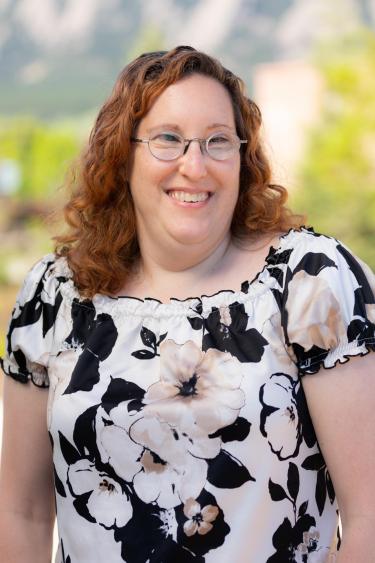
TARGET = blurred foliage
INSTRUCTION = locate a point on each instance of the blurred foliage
(150, 38)
(41, 151)
(337, 177)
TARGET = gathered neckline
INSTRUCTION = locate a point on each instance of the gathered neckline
(244, 286)
(175, 305)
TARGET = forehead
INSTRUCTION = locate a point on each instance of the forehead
(194, 99)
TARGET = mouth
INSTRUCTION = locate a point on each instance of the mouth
(189, 197)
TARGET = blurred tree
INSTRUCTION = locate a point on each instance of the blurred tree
(150, 38)
(41, 151)
(337, 177)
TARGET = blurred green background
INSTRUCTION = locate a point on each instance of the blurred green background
(53, 85)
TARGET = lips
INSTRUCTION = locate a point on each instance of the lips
(189, 197)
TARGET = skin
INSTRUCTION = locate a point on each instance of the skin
(185, 239)
(27, 510)
(342, 407)
(165, 226)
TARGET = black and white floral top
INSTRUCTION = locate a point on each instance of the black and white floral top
(180, 430)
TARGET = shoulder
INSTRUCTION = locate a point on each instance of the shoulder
(297, 244)
(309, 253)
(50, 266)
(327, 299)
(44, 278)
(31, 327)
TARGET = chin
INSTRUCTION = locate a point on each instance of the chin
(190, 238)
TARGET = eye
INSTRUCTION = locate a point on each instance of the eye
(220, 140)
(166, 139)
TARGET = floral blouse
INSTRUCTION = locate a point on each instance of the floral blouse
(180, 430)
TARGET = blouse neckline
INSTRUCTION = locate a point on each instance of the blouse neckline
(152, 306)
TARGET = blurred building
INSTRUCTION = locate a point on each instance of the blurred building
(289, 94)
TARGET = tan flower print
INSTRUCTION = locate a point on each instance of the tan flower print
(314, 313)
(198, 392)
(199, 519)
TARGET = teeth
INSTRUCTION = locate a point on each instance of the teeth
(185, 196)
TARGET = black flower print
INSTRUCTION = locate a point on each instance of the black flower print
(225, 329)
(137, 458)
(295, 538)
(37, 307)
(227, 472)
(362, 327)
(277, 257)
(65, 558)
(324, 485)
(106, 499)
(83, 315)
(288, 540)
(96, 338)
(175, 459)
(284, 418)
(157, 541)
(151, 342)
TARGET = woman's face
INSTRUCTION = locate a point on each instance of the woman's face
(196, 106)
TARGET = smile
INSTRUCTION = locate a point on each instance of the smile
(189, 197)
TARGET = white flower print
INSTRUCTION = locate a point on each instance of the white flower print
(117, 449)
(281, 424)
(169, 474)
(157, 458)
(168, 523)
(123, 459)
(107, 502)
(198, 392)
(199, 519)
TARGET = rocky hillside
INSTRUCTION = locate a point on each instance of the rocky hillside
(59, 57)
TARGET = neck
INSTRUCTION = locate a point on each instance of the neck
(159, 267)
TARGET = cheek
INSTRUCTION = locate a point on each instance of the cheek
(231, 178)
(148, 174)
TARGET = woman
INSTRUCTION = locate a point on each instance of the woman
(188, 428)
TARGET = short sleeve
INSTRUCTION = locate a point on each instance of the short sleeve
(31, 327)
(328, 304)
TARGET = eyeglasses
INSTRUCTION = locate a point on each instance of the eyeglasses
(170, 146)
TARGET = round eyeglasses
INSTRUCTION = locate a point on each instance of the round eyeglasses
(170, 146)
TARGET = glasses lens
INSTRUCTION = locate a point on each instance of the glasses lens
(166, 146)
(221, 146)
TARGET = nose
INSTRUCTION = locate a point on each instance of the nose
(193, 161)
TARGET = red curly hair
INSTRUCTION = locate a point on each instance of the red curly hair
(101, 241)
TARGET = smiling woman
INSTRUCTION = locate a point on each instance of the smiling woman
(184, 327)
(122, 186)
(188, 199)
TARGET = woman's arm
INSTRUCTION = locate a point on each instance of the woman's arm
(26, 476)
(342, 407)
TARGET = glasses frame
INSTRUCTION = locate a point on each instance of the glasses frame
(186, 144)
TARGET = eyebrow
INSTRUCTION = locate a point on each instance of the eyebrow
(173, 126)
